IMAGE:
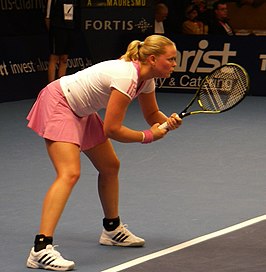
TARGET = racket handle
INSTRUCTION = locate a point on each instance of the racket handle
(165, 125)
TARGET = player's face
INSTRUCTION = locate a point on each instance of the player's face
(165, 64)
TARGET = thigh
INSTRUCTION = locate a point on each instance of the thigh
(103, 157)
(64, 156)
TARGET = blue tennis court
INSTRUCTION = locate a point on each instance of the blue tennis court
(205, 177)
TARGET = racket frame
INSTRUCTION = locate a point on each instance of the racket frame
(184, 113)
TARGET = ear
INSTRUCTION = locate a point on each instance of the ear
(152, 59)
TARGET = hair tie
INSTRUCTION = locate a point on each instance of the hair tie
(140, 45)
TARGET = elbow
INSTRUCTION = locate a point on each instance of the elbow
(110, 132)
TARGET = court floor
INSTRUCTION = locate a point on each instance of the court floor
(237, 248)
(205, 177)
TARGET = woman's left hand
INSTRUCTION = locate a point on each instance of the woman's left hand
(174, 121)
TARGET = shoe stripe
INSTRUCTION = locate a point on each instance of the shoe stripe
(120, 237)
(51, 259)
(124, 239)
(46, 261)
(41, 259)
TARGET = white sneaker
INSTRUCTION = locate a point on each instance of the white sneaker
(121, 236)
(50, 259)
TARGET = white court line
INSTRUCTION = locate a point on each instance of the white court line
(185, 244)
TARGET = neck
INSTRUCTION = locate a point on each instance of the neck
(145, 72)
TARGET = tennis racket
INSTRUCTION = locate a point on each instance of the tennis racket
(219, 91)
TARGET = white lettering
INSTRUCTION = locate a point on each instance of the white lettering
(108, 25)
(97, 25)
(41, 65)
(159, 82)
(75, 63)
(202, 45)
(263, 62)
(219, 83)
(126, 3)
(22, 5)
(213, 59)
(20, 68)
(3, 70)
(186, 81)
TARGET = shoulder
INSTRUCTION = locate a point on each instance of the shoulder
(117, 63)
(117, 68)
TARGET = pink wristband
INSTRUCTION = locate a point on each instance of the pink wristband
(148, 136)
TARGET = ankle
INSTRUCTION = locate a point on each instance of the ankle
(111, 224)
(41, 241)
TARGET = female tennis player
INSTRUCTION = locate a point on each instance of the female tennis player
(65, 115)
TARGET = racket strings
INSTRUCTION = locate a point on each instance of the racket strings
(223, 89)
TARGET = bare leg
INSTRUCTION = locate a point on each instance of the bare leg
(106, 162)
(66, 160)
(53, 62)
(62, 65)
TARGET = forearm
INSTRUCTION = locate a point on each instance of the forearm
(156, 117)
(124, 134)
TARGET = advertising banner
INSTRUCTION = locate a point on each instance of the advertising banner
(24, 65)
(199, 55)
(106, 28)
(109, 25)
(24, 50)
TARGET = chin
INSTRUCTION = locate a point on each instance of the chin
(164, 75)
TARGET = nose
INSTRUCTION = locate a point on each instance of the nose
(174, 63)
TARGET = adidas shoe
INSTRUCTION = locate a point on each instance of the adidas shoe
(121, 236)
(50, 259)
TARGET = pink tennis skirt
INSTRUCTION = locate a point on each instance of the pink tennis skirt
(52, 118)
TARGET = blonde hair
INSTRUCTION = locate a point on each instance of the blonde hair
(152, 45)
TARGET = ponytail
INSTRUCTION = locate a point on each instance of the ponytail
(152, 45)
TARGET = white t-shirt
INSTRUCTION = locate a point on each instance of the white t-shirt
(158, 27)
(88, 91)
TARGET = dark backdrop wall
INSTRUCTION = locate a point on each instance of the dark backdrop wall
(106, 27)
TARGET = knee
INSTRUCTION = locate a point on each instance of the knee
(63, 59)
(111, 168)
(71, 178)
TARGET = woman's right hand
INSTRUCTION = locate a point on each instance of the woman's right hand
(157, 132)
